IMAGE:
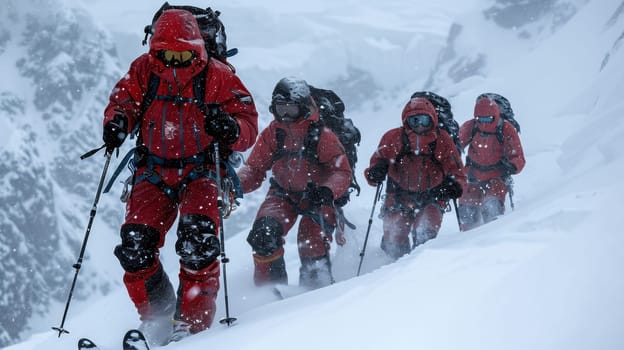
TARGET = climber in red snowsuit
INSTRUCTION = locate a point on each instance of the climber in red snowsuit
(175, 170)
(310, 170)
(424, 171)
(494, 154)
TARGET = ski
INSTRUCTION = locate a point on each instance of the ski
(277, 293)
(283, 291)
(134, 340)
(86, 344)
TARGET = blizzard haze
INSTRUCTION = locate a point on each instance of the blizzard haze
(546, 275)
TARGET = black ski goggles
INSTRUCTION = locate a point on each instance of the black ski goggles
(176, 58)
(419, 121)
(485, 119)
(287, 112)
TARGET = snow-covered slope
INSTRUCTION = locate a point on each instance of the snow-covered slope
(545, 276)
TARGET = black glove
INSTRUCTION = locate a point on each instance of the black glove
(115, 132)
(377, 173)
(448, 189)
(507, 168)
(319, 195)
(222, 127)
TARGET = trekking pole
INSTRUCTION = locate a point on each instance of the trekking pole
(370, 222)
(78, 263)
(511, 192)
(327, 244)
(457, 214)
(224, 260)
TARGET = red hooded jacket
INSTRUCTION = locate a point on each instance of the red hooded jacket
(417, 171)
(176, 130)
(485, 150)
(293, 171)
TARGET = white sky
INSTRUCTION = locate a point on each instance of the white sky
(545, 276)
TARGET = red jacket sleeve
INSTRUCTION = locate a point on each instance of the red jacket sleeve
(465, 133)
(127, 95)
(387, 150)
(238, 103)
(513, 147)
(450, 159)
(253, 173)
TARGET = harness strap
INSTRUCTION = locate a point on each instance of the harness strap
(120, 167)
(282, 193)
(421, 198)
(401, 196)
(174, 192)
(472, 163)
(138, 155)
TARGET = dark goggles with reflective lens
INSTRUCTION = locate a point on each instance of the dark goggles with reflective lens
(419, 121)
(287, 111)
(176, 58)
(485, 119)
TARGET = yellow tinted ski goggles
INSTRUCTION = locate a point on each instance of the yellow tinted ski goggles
(176, 58)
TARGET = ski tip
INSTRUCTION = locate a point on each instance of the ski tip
(85, 344)
(135, 340)
(134, 334)
(277, 293)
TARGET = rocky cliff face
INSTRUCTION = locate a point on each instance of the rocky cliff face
(56, 77)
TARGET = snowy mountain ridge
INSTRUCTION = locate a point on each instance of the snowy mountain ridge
(50, 101)
(545, 276)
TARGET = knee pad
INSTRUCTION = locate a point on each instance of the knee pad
(139, 247)
(265, 236)
(198, 245)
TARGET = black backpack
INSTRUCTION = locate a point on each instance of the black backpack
(210, 27)
(331, 113)
(446, 121)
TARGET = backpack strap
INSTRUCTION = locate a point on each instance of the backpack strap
(280, 140)
(406, 148)
(150, 94)
(199, 90)
(310, 142)
(499, 131)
